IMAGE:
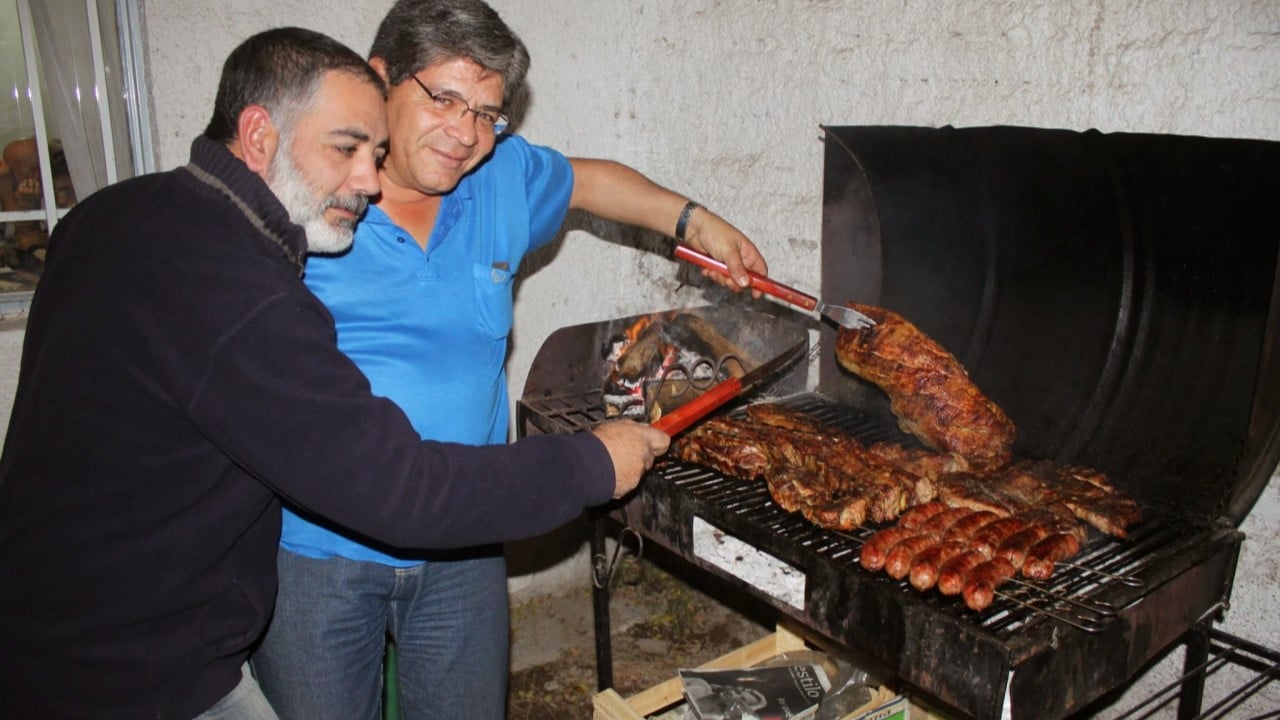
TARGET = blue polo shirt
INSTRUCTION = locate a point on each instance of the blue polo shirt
(429, 328)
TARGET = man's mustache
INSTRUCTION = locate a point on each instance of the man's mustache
(352, 203)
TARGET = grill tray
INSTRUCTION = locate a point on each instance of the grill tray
(1041, 650)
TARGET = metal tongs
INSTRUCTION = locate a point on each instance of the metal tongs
(839, 314)
(691, 412)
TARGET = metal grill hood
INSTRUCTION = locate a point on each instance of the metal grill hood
(1115, 294)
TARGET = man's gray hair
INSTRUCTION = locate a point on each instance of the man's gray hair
(418, 33)
(280, 69)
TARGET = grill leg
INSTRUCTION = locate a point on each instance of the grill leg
(1191, 696)
(600, 609)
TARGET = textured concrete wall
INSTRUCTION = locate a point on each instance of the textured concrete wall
(722, 100)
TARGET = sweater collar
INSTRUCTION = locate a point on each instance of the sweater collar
(214, 164)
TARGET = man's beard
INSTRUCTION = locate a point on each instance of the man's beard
(306, 207)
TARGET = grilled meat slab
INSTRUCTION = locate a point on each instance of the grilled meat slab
(1090, 496)
(919, 462)
(1060, 493)
(823, 473)
(929, 390)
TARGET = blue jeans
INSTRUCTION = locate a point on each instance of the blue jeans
(322, 655)
(244, 702)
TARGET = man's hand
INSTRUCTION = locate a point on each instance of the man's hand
(714, 236)
(633, 448)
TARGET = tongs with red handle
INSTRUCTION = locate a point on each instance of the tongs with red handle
(724, 391)
(841, 315)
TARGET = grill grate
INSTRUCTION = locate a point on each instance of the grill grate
(1070, 596)
(562, 414)
(1022, 655)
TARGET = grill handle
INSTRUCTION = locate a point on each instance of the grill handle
(758, 281)
(691, 412)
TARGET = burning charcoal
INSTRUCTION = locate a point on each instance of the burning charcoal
(659, 364)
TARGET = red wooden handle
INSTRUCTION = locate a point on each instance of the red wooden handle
(758, 282)
(694, 410)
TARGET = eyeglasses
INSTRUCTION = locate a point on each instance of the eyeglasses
(456, 108)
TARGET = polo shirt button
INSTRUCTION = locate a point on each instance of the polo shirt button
(400, 240)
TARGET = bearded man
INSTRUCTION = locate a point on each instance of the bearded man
(178, 379)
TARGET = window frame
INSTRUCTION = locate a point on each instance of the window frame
(136, 114)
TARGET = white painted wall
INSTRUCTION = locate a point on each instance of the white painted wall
(722, 99)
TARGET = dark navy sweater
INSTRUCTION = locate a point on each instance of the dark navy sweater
(177, 380)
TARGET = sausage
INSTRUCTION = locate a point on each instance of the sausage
(965, 527)
(991, 535)
(918, 514)
(939, 523)
(877, 547)
(898, 563)
(1015, 548)
(980, 590)
(954, 573)
(1044, 554)
(924, 569)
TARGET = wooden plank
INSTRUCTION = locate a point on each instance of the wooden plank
(609, 705)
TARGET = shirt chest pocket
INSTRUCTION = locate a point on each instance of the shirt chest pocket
(493, 299)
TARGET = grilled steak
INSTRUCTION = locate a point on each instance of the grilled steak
(919, 462)
(1065, 493)
(823, 473)
(1090, 496)
(733, 448)
(929, 390)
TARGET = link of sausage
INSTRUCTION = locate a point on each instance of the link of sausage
(967, 526)
(1045, 554)
(990, 536)
(918, 514)
(1015, 548)
(924, 569)
(980, 590)
(898, 563)
(955, 572)
(876, 549)
(941, 522)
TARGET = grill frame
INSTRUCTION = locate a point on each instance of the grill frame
(1007, 661)
(1117, 295)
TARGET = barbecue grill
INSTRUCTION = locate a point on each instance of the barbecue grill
(1115, 294)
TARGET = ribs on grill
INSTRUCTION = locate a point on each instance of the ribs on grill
(823, 473)
(929, 390)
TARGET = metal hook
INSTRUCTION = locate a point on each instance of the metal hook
(602, 575)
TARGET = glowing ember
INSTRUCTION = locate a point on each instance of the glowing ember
(663, 361)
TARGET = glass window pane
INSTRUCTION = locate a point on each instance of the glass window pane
(21, 190)
(65, 133)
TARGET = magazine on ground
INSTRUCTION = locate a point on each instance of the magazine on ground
(785, 692)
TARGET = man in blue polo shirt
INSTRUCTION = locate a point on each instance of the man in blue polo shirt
(423, 306)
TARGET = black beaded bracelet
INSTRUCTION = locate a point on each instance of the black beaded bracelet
(683, 223)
